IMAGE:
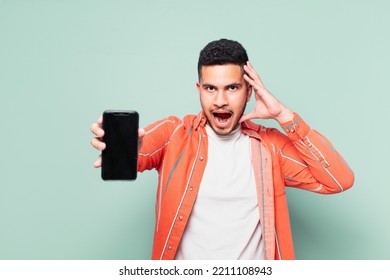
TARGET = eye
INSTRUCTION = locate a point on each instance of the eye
(210, 88)
(232, 88)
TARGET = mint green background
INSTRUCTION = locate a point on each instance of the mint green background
(63, 62)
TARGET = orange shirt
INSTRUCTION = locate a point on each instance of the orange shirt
(178, 150)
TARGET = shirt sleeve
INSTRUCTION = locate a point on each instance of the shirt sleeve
(155, 141)
(310, 161)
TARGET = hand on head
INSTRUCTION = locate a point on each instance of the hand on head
(267, 106)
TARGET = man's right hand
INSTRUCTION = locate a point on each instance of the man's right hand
(98, 144)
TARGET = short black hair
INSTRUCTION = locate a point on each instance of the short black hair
(221, 52)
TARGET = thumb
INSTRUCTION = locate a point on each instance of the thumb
(141, 132)
(245, 117)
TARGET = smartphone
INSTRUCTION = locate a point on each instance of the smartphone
(120, 157)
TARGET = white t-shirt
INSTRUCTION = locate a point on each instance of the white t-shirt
(224, 222)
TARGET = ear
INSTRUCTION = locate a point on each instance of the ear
(198, 86)
(249, 93)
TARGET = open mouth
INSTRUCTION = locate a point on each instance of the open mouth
(222, 118)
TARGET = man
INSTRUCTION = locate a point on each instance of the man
(221, 189)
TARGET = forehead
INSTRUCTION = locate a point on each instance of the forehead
(221, 74)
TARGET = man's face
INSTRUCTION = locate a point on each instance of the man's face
(223, 96)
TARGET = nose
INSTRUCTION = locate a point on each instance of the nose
(220, 99)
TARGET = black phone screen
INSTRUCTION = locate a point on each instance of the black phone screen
(120, 157)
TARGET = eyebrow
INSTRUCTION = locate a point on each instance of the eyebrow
(234, 84)
(229, 85)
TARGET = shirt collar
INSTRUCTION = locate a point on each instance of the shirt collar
(251, 129)
(200, 120)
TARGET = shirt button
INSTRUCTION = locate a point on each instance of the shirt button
(292, 130)
(169, 247)
(201, 158)
(191, 188)
(180, 218)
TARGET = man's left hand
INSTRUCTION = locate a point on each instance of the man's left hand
(267, 106)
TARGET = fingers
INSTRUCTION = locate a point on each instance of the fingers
(97, 144)
(98, 162)
(259, 89)
(252, 74)
(254, 80)
(96, 129)
(250, 81)
(251, 70)
(248, 116)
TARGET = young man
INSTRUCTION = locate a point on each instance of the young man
(221, 189)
